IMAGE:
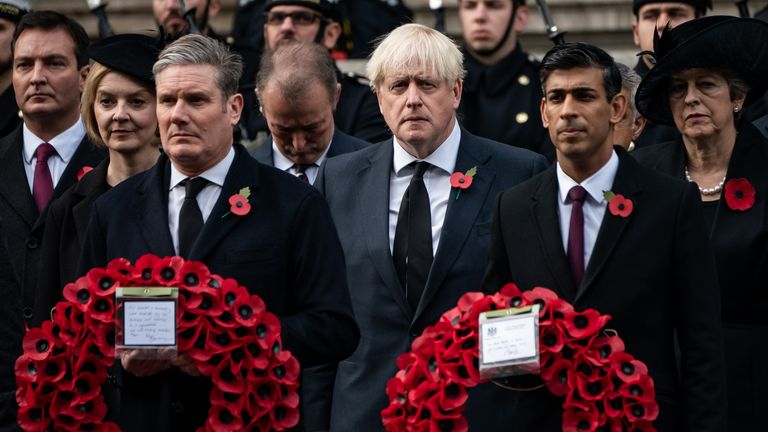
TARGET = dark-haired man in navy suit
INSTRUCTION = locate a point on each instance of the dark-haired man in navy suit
(412, 243)
(646, 262)
(285, 249)
(298, 93)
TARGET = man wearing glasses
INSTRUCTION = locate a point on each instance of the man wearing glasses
(357, 112)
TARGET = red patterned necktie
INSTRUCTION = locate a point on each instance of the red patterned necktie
(42, 184)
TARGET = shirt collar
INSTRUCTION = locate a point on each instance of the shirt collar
(283, 163)
(215, 174)
(595, 185)
(444, 157)
(65, 143)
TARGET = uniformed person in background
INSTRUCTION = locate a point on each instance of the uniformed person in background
(11, 12)
(318, 21)
(651, 16)
(502, 91)
(366, 20)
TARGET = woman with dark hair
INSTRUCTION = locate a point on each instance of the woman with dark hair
(118, 109)
(708, 70)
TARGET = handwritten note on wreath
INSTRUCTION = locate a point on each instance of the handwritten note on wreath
(149, 323)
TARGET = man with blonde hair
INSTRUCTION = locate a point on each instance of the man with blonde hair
(412, 244)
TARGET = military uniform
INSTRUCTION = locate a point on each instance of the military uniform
(358, 113)
(501, 102)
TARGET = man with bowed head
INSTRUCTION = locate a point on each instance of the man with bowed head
(285, 249)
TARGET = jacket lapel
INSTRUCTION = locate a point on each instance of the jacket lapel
(13, 179)
(151, 209)
(460, 216)
(544, 214)
(84, 193)
(373, 194)
(612, 227)
(241, 174)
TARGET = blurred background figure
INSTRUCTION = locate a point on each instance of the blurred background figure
(11, 334)
(632, 124)
(708, 71)
(11, 12)
(118, 110)
(502, 91)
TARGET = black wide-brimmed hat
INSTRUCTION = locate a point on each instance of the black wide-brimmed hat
(714, 42)
(131, 54)
(327, 8)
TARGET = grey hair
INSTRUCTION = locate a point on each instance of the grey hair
(415, 46)
(195, 49)
(630, 80)
(294, 66)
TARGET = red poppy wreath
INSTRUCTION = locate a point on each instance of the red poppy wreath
(223, 328)
(605, 388)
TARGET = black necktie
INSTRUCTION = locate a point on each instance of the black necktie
(577, 195)
(190, 216)
(412, 250)
(301, 171)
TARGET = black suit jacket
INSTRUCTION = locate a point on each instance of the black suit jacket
(740, 243)
(65, 227)
(11, 333)
(24, 227)
(653, 272)
(340, 143)
(285, 249)
(356, 186)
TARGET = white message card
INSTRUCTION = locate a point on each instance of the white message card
(509, 339)
(149, 323)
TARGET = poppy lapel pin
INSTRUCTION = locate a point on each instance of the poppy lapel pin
(739, 194)
(618, 205)
(238, 203)
(461, 180)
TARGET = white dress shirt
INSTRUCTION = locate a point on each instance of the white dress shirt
(594, 204)
(65, 143)
(437, 180)
(206, 199)
(287, 165)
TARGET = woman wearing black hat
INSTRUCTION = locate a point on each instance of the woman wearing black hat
(118, 108)
(708, 71)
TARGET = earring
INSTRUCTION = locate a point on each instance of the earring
(736, 108)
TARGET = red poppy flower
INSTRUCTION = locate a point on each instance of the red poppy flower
(204, 303)
(38, 342)
(268, 330)
(52, 369)
(265, 395)
(641, 389)
(255, 357)
(89, 363)
(627, 368)
(643, 426)
(194, 276)
(448, 421)
(284, 416)
(226, 379)
(453, 396)
(248, 309)
(233, 401)
(286, 369)
(395, 390)
(739, 194)
(121, 269)
(393, 417)
(190, 334)
(620, 206)
(167, 271)
(104, 338)
(223, 419)
(86, 386)
(601, 350)
(468, 299)
(641, 410)
(33, 418)
(102, 309)
(219, 341)
(613, 404)
(557, 377)
(101, 282)
(579, 420)
(78, 293)
(239, 205)
(143, 269)
(593, 388)
(551, 339)
(26, 369)
(460, 180)
(83, 171)
(584, 324)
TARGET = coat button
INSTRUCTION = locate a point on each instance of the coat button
(27, 311)
(177, 407)
(32, 243)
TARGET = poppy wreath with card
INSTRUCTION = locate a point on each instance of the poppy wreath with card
(224, 329)
(604, 388)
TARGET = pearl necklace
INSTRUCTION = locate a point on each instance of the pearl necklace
(706, 191)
